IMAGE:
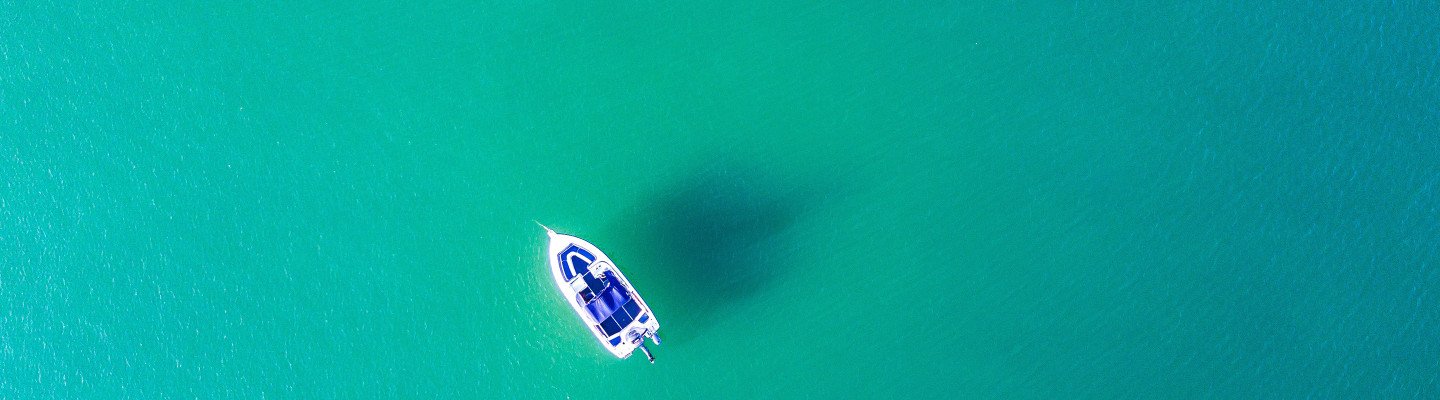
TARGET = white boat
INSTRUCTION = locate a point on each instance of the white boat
(600, 294)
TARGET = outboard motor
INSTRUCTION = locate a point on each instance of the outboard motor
(647, 353)
(638, 338)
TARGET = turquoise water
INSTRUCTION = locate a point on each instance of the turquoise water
(922, 200)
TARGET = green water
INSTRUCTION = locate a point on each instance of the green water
(820, 200)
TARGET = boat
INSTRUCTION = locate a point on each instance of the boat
(605, 300)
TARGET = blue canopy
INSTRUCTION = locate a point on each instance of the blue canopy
(614, 308)
(612, 298)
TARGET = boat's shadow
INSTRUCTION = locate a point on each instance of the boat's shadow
(707, 242)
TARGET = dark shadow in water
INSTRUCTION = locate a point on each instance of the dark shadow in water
(707, 242)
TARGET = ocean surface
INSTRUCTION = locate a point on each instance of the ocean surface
(987, 199)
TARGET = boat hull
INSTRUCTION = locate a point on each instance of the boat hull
(600, 294)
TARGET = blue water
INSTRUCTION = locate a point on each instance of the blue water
(853, 200)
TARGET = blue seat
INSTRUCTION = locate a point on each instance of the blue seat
(623, 318)
(578, 264)
(608, 301)
(633, 308)
(617, 321)
(571, 266)
(593, 283)
(609, 327)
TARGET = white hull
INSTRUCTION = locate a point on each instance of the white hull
(600, 294)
